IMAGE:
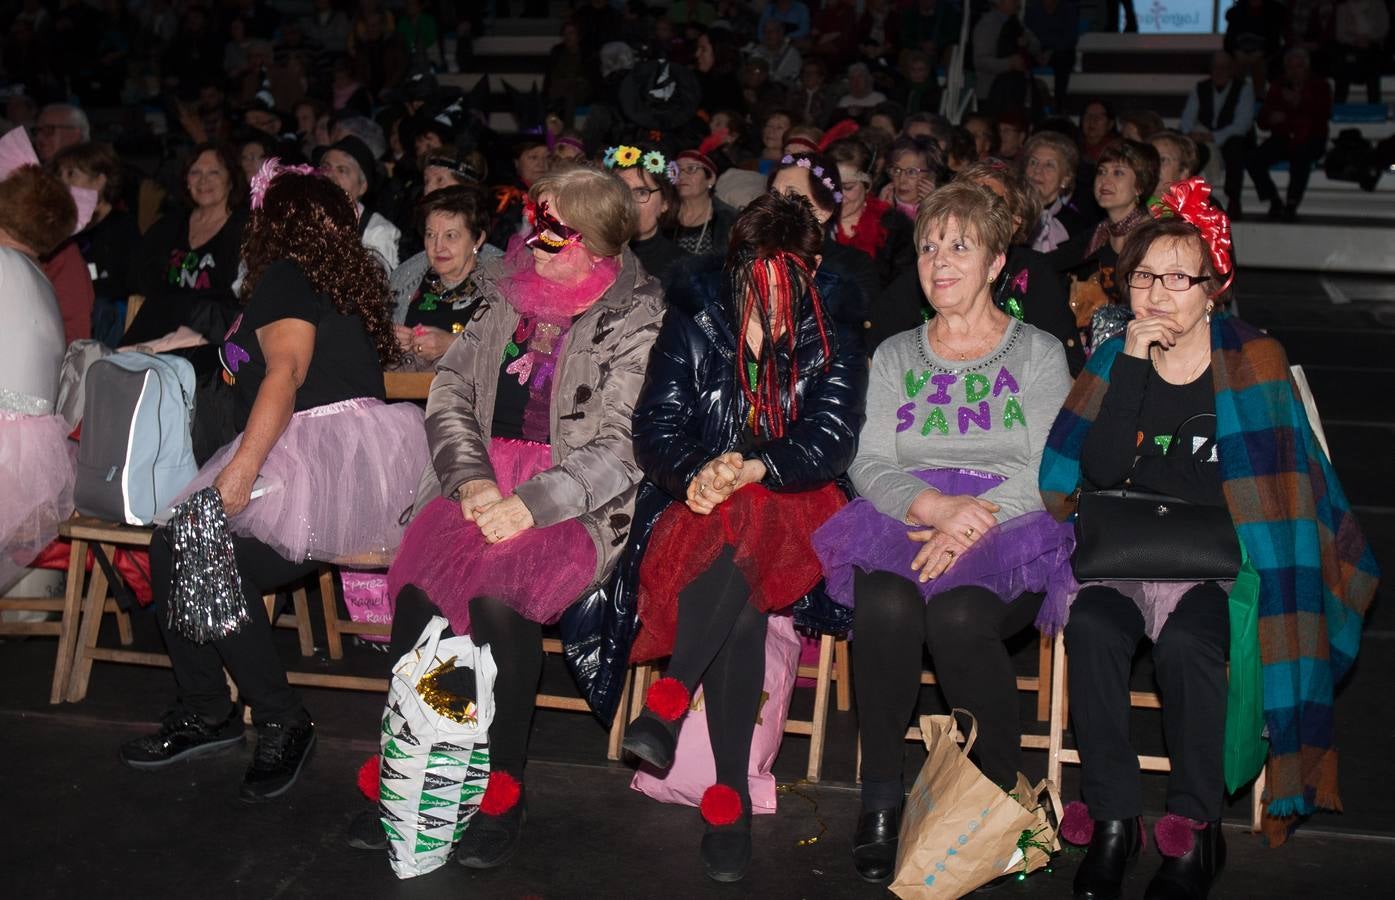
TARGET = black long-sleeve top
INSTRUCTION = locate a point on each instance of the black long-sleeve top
(1138, 418)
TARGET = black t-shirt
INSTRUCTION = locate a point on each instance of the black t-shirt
(345, 364)
(511, 398)
(1138, 417)
(448, 314)
(185, 285)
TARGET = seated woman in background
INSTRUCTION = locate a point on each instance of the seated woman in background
(36, 474)
(531, 488)
(1195, 403)
(350, 164)
(1178, 159)
(749, 412)
(916, 169)
(947, 545)
(436, 293)
(653, 182)
(1048, 163)
(110, 243)
(189, 261)
(865, 222)
(332, 467)
(703, 223)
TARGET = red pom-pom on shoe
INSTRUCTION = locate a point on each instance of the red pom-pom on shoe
(667, 699)
(368, 777)
(501, 794)
(1076, 825)
(720, 805)
(1176, 835)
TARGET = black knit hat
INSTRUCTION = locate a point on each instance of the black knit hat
(361, 154)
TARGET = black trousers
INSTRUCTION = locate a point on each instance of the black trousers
(1190, 655)
(516, 645)
(249, 656)
(1358, 64)
(1233, 153)
(1300, 157)
(964, 629)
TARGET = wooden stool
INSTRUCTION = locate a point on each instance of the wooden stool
(1058, 755)
(64, 629)
(833, 655)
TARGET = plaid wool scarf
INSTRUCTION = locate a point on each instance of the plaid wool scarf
(1317, 574)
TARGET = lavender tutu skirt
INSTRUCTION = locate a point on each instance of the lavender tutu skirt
(1028, 553)
(537, 573)
(36, 487)
(339, 484)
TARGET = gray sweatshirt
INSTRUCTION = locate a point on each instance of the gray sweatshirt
(991, 414)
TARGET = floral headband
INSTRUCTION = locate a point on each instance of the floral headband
(805, 162)
(1190, 201)
(270, 170)
(625, 156)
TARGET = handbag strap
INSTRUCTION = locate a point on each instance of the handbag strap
(1128, 479)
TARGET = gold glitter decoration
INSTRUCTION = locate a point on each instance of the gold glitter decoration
(452, 706)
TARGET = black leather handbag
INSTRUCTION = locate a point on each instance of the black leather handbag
(1130, 535)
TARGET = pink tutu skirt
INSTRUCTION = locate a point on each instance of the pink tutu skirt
(538, 573)
(339, 484)
(36, 487)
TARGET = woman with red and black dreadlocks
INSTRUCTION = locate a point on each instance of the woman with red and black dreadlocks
(749, 412)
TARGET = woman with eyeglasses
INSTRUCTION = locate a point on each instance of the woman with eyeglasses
(1195, 404)
(865, 222)
(653, 182)
(528, 501)
(917, 167)
(703, 223)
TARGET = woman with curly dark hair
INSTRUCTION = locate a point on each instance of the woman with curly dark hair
(322, 468)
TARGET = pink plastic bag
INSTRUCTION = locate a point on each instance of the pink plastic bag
(366, 596)
(694, 770)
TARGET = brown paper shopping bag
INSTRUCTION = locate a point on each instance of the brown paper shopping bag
(959, 830)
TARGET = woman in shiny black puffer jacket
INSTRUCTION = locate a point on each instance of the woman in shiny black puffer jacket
(750, 412)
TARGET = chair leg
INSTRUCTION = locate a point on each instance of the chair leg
(1058, 714)
(123, 626)
(644, 675)
(1044, 679)
(817, 732)
(92, 608)
(330, 598)
(301, 604)
(842, 674)
(68, 627)
(617, 723)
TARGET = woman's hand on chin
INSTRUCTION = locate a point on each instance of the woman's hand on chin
(235, 487)
(505, 519)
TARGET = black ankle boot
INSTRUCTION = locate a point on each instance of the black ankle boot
(653, 736)
(726, 845)
(492, 836)
(1113, 846)
(1189, 876)
(874, 844)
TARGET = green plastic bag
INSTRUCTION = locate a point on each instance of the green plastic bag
(1246, 747)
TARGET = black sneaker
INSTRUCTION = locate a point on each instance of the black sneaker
(490, 841)
(282, 749)
(726, 850)
(183, 734)
(366, 831)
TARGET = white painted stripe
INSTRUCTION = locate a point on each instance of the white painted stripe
(1334, 293)
(131, 517)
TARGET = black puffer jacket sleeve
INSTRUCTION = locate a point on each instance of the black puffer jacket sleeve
(668, 446)
(820, 445)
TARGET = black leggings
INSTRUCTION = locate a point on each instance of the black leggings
(964, 629)
(516, 645)
(1104, 630)
(250, 656)
(720, 643)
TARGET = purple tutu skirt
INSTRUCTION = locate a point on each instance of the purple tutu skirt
(338, 485)
(36, 488)
(1028, 553)
(537, 573)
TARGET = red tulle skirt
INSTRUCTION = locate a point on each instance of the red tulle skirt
(770, 533)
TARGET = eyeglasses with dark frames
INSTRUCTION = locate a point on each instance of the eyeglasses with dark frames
(1173, 281)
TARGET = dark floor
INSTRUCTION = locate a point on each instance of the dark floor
(76, 823)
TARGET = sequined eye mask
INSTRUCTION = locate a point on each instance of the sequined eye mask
(550, 235)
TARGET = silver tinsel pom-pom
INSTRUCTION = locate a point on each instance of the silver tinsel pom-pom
(206, 599)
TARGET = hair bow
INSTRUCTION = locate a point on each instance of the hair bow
(270, 170)
(1190, 201)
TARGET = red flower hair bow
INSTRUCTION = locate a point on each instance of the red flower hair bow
(1190, 201)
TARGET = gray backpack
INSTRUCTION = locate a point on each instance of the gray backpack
(135, 454)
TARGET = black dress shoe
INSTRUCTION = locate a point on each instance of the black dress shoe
(1189, 876)
(282, 749)
(1113, 847)
(726, 850)
(874, 844)
(366, 832)
(652, 740)
(183, 735)
(490, 841)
